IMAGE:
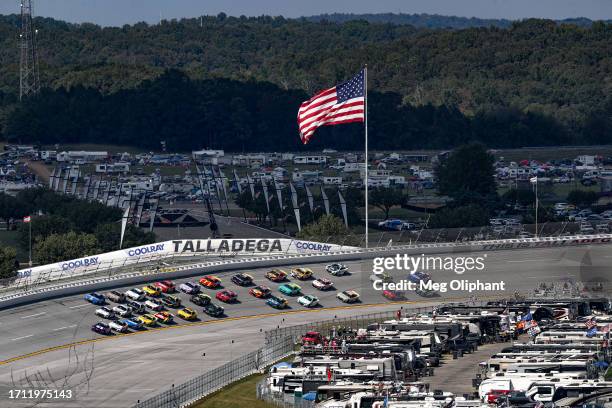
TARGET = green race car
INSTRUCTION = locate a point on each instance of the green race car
(290, 289)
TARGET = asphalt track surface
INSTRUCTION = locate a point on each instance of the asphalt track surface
(50, 345)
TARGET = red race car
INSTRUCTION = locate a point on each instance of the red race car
(260, 292)
(210, 281)
(226, 296)
(393, 295)
(166, 286)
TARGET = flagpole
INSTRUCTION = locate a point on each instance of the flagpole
(365, 84)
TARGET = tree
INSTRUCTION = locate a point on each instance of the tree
(328, 228)
(460, 217)
(467, 175)
(8, 262)
(582, 198)
(42, 227)
(109, 235)
(521, 196)
(385, 198)
(61, 247)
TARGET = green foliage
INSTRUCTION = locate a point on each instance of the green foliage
(385, 198)
(8, 262)
(429, 88)
(109, 235)
(460, 217)
(582, 198)
(328, 228)
(521, 196)
(467, 175)
(59, 247)
(42, 227)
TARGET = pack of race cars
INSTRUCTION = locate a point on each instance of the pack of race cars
(149, 305)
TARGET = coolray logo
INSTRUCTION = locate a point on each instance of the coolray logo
(79, 263)
(24, 274)
(146, 250)
(225, 245)
(312, 246)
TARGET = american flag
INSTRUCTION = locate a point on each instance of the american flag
(343, 103)
(590, 324)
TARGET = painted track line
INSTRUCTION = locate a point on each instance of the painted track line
(202, 323)
(22, 337)
(33, 315)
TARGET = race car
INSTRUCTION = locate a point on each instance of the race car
(164, 317)
(200, 299)
(301, 273)
(187, 314)
(147, 320)
(337, 269)
(166, 286)
(153, 305)
(95, 298)
(214, 310)
(115, 296)
(348, 296)
(322, 284)
(261, 292)
(242, 279)
(276, 275)
(420, 279)
(210, 281)
(122, 310)
(105, 312)
(393, 295)
(101, 328)
(118, 326)
(308, 300)
(290, 289)
(135, 294)
(151, 290)
(132, 324)
(189, 288)
(171, 301)
(227, 296)
(137, 307)
(277, 302)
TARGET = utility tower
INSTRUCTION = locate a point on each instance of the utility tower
(29, 79)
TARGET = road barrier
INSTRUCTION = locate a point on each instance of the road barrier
(164, 268)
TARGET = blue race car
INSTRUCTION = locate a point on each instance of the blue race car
(95, 298)
(277, 302)
(132, 324)
(420, 279)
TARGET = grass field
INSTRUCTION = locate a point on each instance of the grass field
(240, 394)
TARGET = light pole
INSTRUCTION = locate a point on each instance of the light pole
(534, 180)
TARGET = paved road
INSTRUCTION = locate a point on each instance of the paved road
(119, 370)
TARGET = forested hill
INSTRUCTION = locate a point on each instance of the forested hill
(433, 21)
(561, 74)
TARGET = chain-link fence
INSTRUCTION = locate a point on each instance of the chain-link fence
(205, 384)
(281, 400)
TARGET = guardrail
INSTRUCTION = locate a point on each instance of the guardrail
(163, 268)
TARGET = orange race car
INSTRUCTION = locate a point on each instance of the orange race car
(210, 281)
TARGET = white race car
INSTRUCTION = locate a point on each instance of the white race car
(105, 312)
(122, 310)
(337, 269)
(153, 305)
(308, 300)
(348, 296)
(118, 327)
(322, 284)
(135, 294)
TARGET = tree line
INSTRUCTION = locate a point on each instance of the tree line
(536, 68)
(260, 116)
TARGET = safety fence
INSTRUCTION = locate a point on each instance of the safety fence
(185, 394)
(278, 344)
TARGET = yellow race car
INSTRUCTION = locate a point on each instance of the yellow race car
(151, 290)
(187, 314)
(301, 273)
(147, 320)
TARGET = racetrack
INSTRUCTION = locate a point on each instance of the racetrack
(117, 371)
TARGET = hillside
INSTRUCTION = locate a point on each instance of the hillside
(562, 73)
